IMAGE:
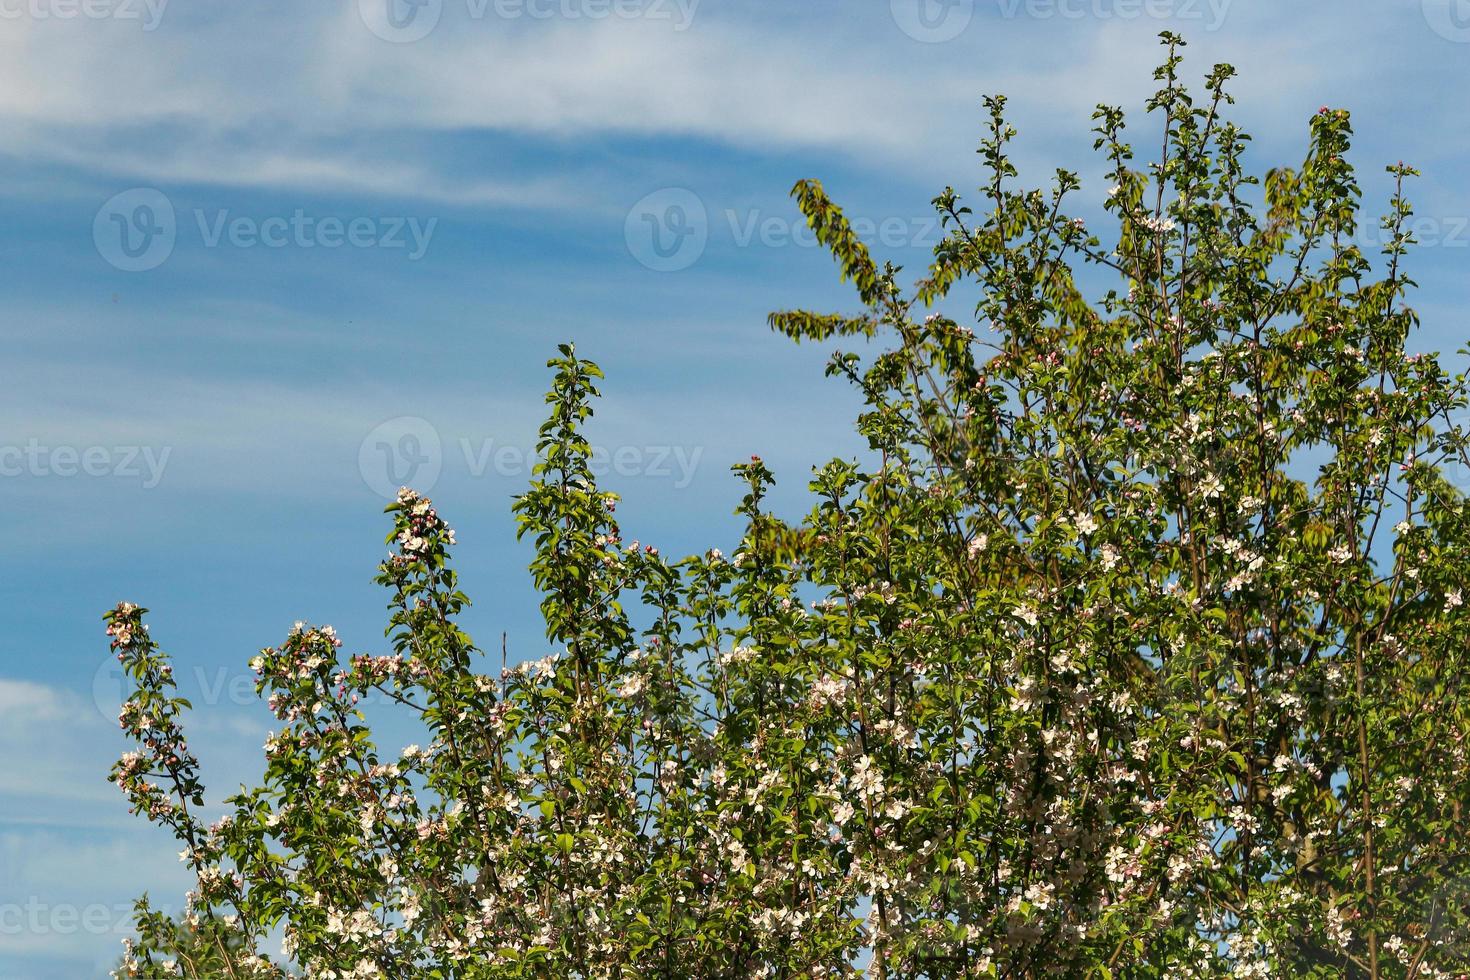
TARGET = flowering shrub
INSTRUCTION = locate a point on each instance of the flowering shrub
(1134, 648)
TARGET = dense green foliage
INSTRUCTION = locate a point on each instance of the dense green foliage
(1134, 648)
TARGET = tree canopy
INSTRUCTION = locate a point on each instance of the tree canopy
(1134, 647)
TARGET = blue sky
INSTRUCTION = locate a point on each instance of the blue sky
(260, 261)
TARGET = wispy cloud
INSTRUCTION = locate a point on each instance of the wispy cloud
(305, 96)
(27, 703)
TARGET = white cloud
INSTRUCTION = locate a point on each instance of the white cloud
(28, 703)
(309, 98)
(314, 100)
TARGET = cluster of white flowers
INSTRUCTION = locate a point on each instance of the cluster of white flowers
(1157, 225)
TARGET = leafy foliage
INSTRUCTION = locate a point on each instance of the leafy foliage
(1137, 651)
